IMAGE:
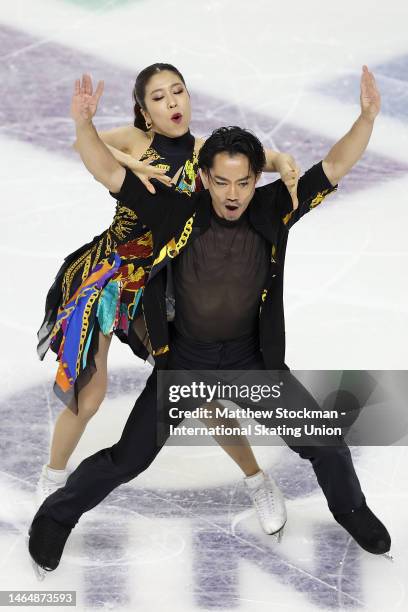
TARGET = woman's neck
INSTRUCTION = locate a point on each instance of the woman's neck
(168, 144)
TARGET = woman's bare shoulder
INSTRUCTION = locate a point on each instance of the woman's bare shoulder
(138, 141)
(136, 135)
(124, 137)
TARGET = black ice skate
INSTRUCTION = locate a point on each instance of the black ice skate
(367, 530)
(46, 543)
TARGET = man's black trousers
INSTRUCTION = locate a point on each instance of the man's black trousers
(102, 472)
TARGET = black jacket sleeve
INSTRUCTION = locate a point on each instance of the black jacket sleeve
(163, 212)
(313, 187)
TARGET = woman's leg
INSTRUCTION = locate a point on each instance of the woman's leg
(69, 427)
(263, 491)
(237, 446)
(97, 475)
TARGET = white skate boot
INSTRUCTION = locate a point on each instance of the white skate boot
(50, 480)
(269, 503)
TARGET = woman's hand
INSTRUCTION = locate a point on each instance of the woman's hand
(145, 171)
(85, 101)
(290, 172)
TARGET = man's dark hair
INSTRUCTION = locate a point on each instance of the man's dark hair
(232, 140)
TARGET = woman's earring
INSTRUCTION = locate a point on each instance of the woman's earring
(148, 125)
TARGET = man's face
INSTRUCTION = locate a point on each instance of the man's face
(231, 184)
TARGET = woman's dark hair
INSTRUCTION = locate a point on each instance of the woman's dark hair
(139, 90)
(232, 140)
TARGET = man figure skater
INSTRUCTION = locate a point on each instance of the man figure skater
(227, 245)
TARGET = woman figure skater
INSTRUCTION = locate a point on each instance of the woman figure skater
(98, 290)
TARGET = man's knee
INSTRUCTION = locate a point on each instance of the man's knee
(322, 452)
(128, 468)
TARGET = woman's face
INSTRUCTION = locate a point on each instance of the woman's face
(167, 104)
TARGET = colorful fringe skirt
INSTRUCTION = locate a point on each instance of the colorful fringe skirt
(94, 291)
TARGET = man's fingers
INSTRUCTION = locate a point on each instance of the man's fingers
(166, 180)
(153, 169)
(159, 173)
(154, 172)
(368, 79)
(148, 184)
(77, 87)
(145, 181)
(290, 176)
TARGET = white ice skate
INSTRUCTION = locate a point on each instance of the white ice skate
(50, 480)
(268, 502)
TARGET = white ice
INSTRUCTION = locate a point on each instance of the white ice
(346, 296)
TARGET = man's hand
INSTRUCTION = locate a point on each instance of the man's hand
(370, 98)
(349, 149)
(290, 172)
(145, 171)
(84, 101)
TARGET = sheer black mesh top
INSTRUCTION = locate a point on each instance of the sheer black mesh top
(218, 281)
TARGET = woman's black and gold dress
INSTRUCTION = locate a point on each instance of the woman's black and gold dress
(99, 287)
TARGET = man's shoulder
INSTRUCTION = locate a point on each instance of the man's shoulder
(200, 198)
(264, 206)
(268, 193)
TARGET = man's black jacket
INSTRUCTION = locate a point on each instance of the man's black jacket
(176, 219)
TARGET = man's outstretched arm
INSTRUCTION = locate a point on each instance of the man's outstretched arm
(345, 153)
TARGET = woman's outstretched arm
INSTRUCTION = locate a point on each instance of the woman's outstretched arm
(96, 156)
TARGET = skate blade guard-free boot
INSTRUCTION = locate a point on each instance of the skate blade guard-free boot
(268, 502)
(367, 530)
(49, 481)
(46, 544)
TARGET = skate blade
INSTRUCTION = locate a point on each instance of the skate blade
(38, 571)
(278, 535)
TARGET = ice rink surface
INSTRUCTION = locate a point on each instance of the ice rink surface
(183, 536)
